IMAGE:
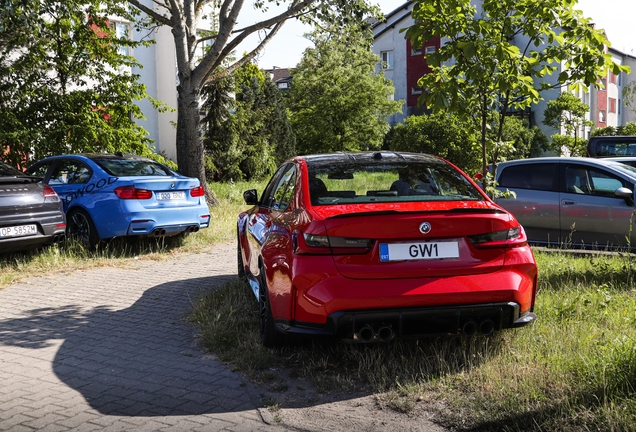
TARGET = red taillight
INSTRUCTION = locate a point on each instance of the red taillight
(513, 237)
(197, 191)
(130, 192)
(325, 245)
(49, 193)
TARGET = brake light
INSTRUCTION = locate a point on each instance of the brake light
(130, 192)
(513, 237)
(50, 194)
(325, 245)
(197, 191)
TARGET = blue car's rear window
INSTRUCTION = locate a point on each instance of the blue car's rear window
(133, 168)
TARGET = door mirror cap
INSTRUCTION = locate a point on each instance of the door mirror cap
(250, 197)
(626, 194)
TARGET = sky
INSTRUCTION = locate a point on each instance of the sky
(616, 17)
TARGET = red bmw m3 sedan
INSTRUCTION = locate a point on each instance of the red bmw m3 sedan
(374, 246)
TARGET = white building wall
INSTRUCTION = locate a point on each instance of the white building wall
(390, 39)
(158, 73)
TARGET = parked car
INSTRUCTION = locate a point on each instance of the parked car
(628, 160)
(31, 213)
(337, 245)
(106, 196)
(609, 146)
(579, 202)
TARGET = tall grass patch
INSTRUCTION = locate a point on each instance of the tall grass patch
(574, 369)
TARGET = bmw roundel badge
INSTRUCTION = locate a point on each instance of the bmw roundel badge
(425, 227)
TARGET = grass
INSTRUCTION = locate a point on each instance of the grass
(574, 369)
(123, 252)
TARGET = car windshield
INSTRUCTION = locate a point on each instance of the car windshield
(351, 183)
(624, 168)
(133, 168)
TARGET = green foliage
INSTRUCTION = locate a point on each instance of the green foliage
(627, 129)
(337, 101)
(64, 85)
(567, 112)
(567, 145)
(440, 134)
(500, 57)
(247, 137)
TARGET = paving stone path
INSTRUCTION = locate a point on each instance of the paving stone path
(108, 349)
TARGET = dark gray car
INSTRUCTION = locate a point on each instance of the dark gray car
(579, 202)
(30, 212)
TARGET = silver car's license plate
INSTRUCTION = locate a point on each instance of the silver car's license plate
(164, 196)
(19, 231)
(418, 251)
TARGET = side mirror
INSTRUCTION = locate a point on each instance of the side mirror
(250, 197)
(626, 194)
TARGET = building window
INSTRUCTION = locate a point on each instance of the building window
(429, 50)
(122, 32)
(387, 59)
(416, 51)
(612, 105)
(282, 85)
(416, 90)
(601, 116)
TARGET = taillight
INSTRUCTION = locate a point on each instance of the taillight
(197, 191)
(50, 194)
(325, 245)
(513, 237)
(130, 192)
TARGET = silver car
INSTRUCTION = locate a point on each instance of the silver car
(30, 212)
(577, 202)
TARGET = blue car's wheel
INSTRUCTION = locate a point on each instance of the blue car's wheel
(80, 226)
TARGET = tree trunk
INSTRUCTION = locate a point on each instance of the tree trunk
(189, 139)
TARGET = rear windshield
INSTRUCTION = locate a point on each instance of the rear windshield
(133, 168)
(9, 171)
(613, 146)
(393, 182)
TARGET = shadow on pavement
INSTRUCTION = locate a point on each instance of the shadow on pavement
(137, 361)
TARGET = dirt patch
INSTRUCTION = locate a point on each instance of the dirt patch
(296, 404)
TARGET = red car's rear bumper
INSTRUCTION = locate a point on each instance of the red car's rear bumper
(382, 325)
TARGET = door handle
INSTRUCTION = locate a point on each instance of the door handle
(568, 202)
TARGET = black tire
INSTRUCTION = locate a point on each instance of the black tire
(239, 258)
(270, 337)
(80, 226)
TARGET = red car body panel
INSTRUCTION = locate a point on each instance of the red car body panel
(306, 288)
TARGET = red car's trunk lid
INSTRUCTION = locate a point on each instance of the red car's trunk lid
(419, 243)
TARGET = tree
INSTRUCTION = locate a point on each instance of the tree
(499, 58)
(567, 112)
(628, 128)
(440, 134)
(184, 17)
(63, 84)
(250, 135)
(337, 101)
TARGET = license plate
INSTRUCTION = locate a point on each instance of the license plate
(18, 231)
(418, 251)
(164, 196)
